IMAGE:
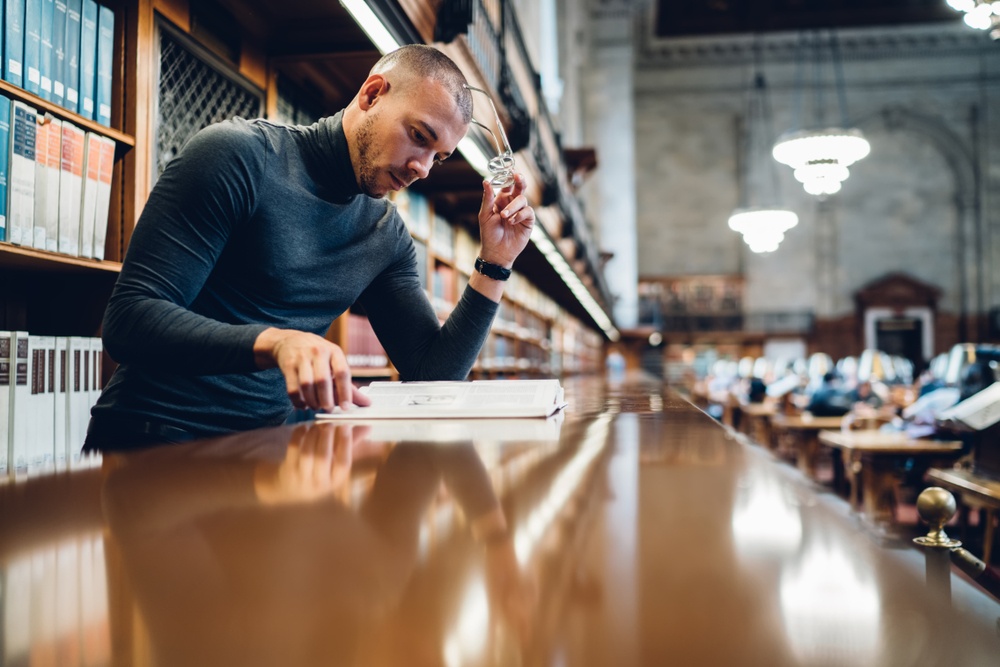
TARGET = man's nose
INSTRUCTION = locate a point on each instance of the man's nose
(421, 165)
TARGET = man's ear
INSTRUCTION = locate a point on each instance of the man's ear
(373, 87)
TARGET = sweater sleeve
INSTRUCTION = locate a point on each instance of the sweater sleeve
(405, 323)
(203, 194)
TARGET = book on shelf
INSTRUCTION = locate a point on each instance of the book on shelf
(457, 400)
(60, 389)
(88, 197)
(13, 42)
(364, 350)
(103, 196)
(47, 154)
(41, 431)
(6, 371)
(443, 239)
(20, 400)
(4, 162)
(105, 49)
(32, 45)
(59, 52)
(21, 187)
(45, 57)
(70, 188)
(71, 63)
(88, 59)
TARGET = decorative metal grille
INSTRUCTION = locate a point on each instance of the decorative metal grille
(192, 95)
(295, 107)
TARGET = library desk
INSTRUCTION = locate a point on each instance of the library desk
(635, 531)
(755, 421)
(870, 459)
(973, 491)
(802, 430)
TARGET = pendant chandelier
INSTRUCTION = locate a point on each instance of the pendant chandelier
(759, 219)
(980, 14)
(820, 156)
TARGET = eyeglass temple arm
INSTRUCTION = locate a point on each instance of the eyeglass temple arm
(506, 149)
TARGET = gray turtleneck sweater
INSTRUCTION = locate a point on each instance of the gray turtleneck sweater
(258, 225)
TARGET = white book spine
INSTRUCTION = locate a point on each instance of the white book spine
(21, 184)
(51, 190)
(42, 406)
(76, 406)
(42, 133)
(61, 442)
(103, 196)
(20, 396)
(6, 375)
(70, 188)
(88, 200)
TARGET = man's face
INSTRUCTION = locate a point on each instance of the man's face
(404, 134)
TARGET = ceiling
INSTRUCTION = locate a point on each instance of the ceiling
(677, 18)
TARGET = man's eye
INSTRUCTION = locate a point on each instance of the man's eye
(418, 137)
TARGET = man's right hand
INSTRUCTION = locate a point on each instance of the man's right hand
(316, 371)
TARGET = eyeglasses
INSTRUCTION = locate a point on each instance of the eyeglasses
(501, 167)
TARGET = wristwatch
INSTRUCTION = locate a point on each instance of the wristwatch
(494, 271)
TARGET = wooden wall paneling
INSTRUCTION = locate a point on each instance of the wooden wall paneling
(253, 62)
(177, 12)
(140, 71)
(423, 15)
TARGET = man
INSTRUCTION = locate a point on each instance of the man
(258, 235)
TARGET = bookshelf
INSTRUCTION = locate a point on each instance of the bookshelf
(57, 293)
(60, 294)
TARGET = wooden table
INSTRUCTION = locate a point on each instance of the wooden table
(636, 532)
(755, 421)
(803, 430)
(868, 461)
(975, 491)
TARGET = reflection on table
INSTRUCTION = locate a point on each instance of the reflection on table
(635, 532)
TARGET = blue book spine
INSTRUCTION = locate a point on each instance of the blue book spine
(13, 42)
(59, 52)
(88, 59)
(45, 54)
(71, 65)
(105, 60)
(32, 46)
(4, 162)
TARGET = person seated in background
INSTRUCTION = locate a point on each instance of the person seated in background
(864, 395)
(830, 399)
(756, 390)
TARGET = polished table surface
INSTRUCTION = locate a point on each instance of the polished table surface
(633, 531)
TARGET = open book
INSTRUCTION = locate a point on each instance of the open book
(457, 400)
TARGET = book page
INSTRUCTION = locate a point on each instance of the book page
(481, 398)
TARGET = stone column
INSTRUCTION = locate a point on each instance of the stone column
(610, 127)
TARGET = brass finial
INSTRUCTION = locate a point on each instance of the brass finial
(936, 506)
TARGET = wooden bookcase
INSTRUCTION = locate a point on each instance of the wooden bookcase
(55, 294)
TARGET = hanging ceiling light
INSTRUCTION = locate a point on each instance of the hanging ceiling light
(763, 229)
(763, 226)
(820, 157)
(980, 14)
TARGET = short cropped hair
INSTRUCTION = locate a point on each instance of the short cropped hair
(426, 62)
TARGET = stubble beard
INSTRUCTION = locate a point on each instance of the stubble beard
(367, 173)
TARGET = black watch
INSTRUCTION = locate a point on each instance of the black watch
(494, 271)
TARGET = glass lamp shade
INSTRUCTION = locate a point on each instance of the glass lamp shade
(821, 158)
(875, 365)
(763, 229)
(980, 14)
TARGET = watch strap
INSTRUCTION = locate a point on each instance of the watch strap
(494, 271)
